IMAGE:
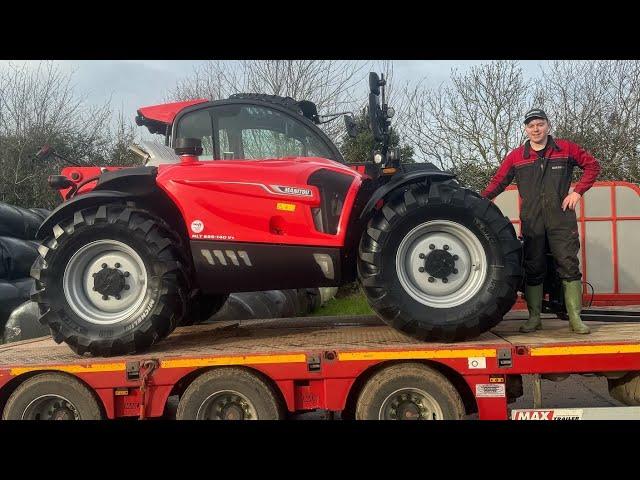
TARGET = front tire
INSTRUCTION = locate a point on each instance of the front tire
(110, 280)
(440, 263)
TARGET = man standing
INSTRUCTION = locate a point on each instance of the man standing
(543, 169)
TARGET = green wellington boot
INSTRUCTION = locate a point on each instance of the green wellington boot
(573, 302)
(533, 296)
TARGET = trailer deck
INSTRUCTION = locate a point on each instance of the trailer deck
(315, 361)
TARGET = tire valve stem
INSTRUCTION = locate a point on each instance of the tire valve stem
(431, 279)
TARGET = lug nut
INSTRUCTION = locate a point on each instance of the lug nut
(446, 247)
(117, 265)
(455, 257)
(455, 270)
(95, 289)
(105, 297)
(421, 269)
(431, 279)
(117, 297)
(421, 255)
(93, 274)
(126, 287)
(104, 265)
(445, 280)
(432, 247)
(126, 274)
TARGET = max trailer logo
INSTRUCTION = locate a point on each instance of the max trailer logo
(555, 414)
(296, 191)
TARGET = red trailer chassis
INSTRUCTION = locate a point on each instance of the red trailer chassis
(322, 362)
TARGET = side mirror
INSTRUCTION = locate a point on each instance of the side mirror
(350, 125)
(376, 118)
(374, 83)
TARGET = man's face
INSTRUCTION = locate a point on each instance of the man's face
(537, 130)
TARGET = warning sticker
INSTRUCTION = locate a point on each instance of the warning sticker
(477, 362)
(197, 226)
(490, 390)
(555, 414)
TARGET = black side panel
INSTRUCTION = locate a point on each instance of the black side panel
(225, 267)
(333, 188)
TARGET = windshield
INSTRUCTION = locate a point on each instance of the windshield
(251, 132)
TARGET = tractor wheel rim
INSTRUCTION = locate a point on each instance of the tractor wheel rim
(50, 407)
(441, 264)
(410, 404)
(227, 405)
(79, 282)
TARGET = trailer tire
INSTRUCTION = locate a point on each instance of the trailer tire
(626, 389)
(229, 393)
(153, 293)
(440, 263)
(52, 396)
(409, 391)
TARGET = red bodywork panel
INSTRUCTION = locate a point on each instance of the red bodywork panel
(239, 201)
(166, 112)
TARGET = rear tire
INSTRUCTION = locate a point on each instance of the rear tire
(626, 389)
(409, 391)
(52, 396)
(143, 265)
(229, 394)
(465, 288)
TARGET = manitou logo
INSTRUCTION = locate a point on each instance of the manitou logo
(300, 192)
(561, 414)
(222, 255)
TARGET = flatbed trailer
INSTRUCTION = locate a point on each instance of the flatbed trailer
(352, 364)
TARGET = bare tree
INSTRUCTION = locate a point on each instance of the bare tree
(331, 84)
(40, 106)
(597, 105)
(471, 124)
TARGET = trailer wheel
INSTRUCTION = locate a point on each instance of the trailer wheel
(409, 391)
(440, 263)
(52, 396)
(626, 389)
(110, 280)
(229, 394)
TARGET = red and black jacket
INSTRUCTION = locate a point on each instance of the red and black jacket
(549, 176)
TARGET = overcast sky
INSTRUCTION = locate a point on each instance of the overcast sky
(135, 83)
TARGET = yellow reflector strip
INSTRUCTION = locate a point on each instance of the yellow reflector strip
(97, 367)
(389, 171)
(287, 207)
(417, 354)
(584, 350)
(243, 360)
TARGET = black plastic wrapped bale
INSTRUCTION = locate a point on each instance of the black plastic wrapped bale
(23, 324)
(16, 257)
(19, 222)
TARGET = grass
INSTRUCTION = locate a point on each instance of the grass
(354, 304)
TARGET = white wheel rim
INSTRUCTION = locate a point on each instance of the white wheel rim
(78, 282)
(448, 240)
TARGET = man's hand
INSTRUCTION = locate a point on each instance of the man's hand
(571, 201)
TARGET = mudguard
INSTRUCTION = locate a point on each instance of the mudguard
(400, 180)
